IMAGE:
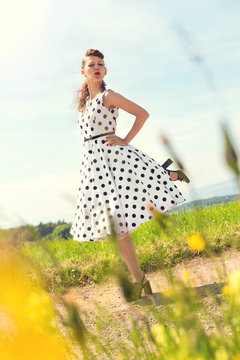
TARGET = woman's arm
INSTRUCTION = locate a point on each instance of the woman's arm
(112, 99)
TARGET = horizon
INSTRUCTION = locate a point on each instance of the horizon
(233, 191)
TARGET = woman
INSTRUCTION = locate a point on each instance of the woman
(118, 181)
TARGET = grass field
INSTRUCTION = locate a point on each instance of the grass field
(156, 246)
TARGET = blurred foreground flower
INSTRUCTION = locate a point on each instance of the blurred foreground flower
(159, 333)
(164, 336)
(233, 286)
(168, 293)
(27, 328)
(186, 276)
(156, 213)
(170, 149)
(196, 242)
(160, 217)
(231, 156)
(132, 321)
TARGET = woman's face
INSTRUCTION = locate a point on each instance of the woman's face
(94, 69)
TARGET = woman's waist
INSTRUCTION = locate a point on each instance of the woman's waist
(91, 137)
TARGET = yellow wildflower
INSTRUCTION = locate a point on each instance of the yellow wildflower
(174, 335)
(159, 333)
(233, 286)
(186, 275)
(168, 293)
(221, 354)
(196, 242)
(177, 311)
(234, 281)
(226, 290)
(29, 329)
(186, 278)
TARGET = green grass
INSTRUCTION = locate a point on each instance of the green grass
(156, 247)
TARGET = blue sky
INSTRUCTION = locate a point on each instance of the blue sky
(149, 61)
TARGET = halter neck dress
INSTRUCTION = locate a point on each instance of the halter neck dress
(115, 181)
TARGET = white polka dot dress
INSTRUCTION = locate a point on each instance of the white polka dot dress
(115, 181)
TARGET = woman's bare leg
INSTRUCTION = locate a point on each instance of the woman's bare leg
(128, 252)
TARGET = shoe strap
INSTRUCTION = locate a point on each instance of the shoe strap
(144, 277)
(140, 282)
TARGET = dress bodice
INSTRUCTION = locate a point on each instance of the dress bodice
(96, 118)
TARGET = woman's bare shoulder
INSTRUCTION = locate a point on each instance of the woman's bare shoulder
(107, 99)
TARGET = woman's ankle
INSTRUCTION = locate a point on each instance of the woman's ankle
(140, 277)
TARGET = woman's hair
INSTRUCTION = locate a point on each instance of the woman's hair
(84, 92)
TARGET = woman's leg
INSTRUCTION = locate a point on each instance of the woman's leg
(128, 252)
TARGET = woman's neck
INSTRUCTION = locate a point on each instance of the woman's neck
(93, 92)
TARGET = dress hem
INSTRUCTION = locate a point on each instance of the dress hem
(106, 237)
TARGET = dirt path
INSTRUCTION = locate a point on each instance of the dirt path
(109, 295)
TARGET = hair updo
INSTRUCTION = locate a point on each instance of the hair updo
(84, 92)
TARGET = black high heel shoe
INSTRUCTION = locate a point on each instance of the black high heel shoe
(181, 176)
(167, 163)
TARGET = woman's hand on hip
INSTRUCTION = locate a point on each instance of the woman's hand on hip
(115, 140)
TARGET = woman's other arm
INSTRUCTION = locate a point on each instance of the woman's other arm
(113, 99)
